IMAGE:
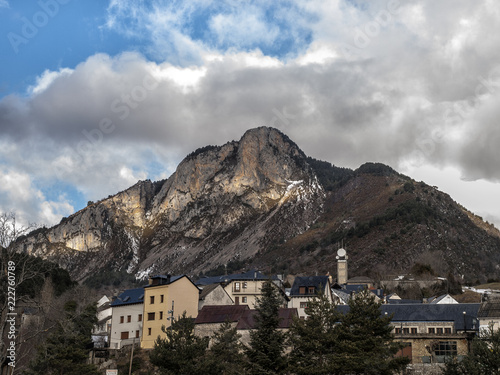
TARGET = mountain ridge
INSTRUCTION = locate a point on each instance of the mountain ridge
(249, 201)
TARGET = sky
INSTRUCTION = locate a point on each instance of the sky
(98, 94)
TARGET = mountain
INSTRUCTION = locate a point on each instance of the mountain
(261, 202)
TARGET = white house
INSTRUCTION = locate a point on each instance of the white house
(126, 318)
(102, 330)
(306, 288)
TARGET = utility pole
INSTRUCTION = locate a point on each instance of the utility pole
(171, 313)
(131, 358)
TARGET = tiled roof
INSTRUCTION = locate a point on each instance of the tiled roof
(129, 297)
(318, 282)
(431, 313)
(220, 314)
(250, 275)
(286, 315)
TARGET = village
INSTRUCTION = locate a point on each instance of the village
(432, 330)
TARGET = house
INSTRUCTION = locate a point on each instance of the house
(214, 294)
(441, 300)
(102, 330)
(210, 319)
(166, 298)
(243, 288)
(489, 314)
(306, 288)
(432, 334)
(126, 318)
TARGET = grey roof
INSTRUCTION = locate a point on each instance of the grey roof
(207, 290)
(250, 275)
(318, 282)
(431, 313)
(489, 310)
(403, 301)
(164, 280)
(129, 297)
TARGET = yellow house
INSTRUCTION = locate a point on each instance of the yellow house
(166, 298)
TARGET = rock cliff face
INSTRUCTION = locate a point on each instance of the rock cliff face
(222, 203)
(261, 203)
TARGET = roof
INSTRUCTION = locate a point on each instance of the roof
(207, 290)
(431, 313)
(250, 275)
(129, 297)
(164, 280)
(489, 310)
(440, 298)
(400, 301)
(360, 279)
(286, 315)
(220, 314)
(318, 282)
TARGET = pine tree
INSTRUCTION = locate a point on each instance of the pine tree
(66, 350)
(365, 340)
(483, 359)
(267, 343)
(181, 352)
(313, 341)
(225, 356)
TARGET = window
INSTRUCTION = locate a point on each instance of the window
(311, 290)
(244, 300)
(432, 330)
(129, 318)
(406, 330)
(447, 330)
(139, 318)
(236, 286)
(414, 330)
(161, 315)
(149, 331)
(161, 298)
(124, 335)
(152, 300)
(398, 330)
(302, 290)
(151, 316)
(303, 305)
(236, 300)
(439, 331)
(137, 334)
(122, 319)
(245, 285)
(446, 348)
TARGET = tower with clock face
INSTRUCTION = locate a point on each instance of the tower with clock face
(341, 266)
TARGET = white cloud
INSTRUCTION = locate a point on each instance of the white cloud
(4, 4)
(18, 194)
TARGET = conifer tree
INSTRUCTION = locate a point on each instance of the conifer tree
(66, 350)
(483, 359)
(225, 356)
(365, 340)
(313, 341)
(267, 343)
(181, 352)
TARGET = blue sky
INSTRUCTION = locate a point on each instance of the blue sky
(95, 95)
